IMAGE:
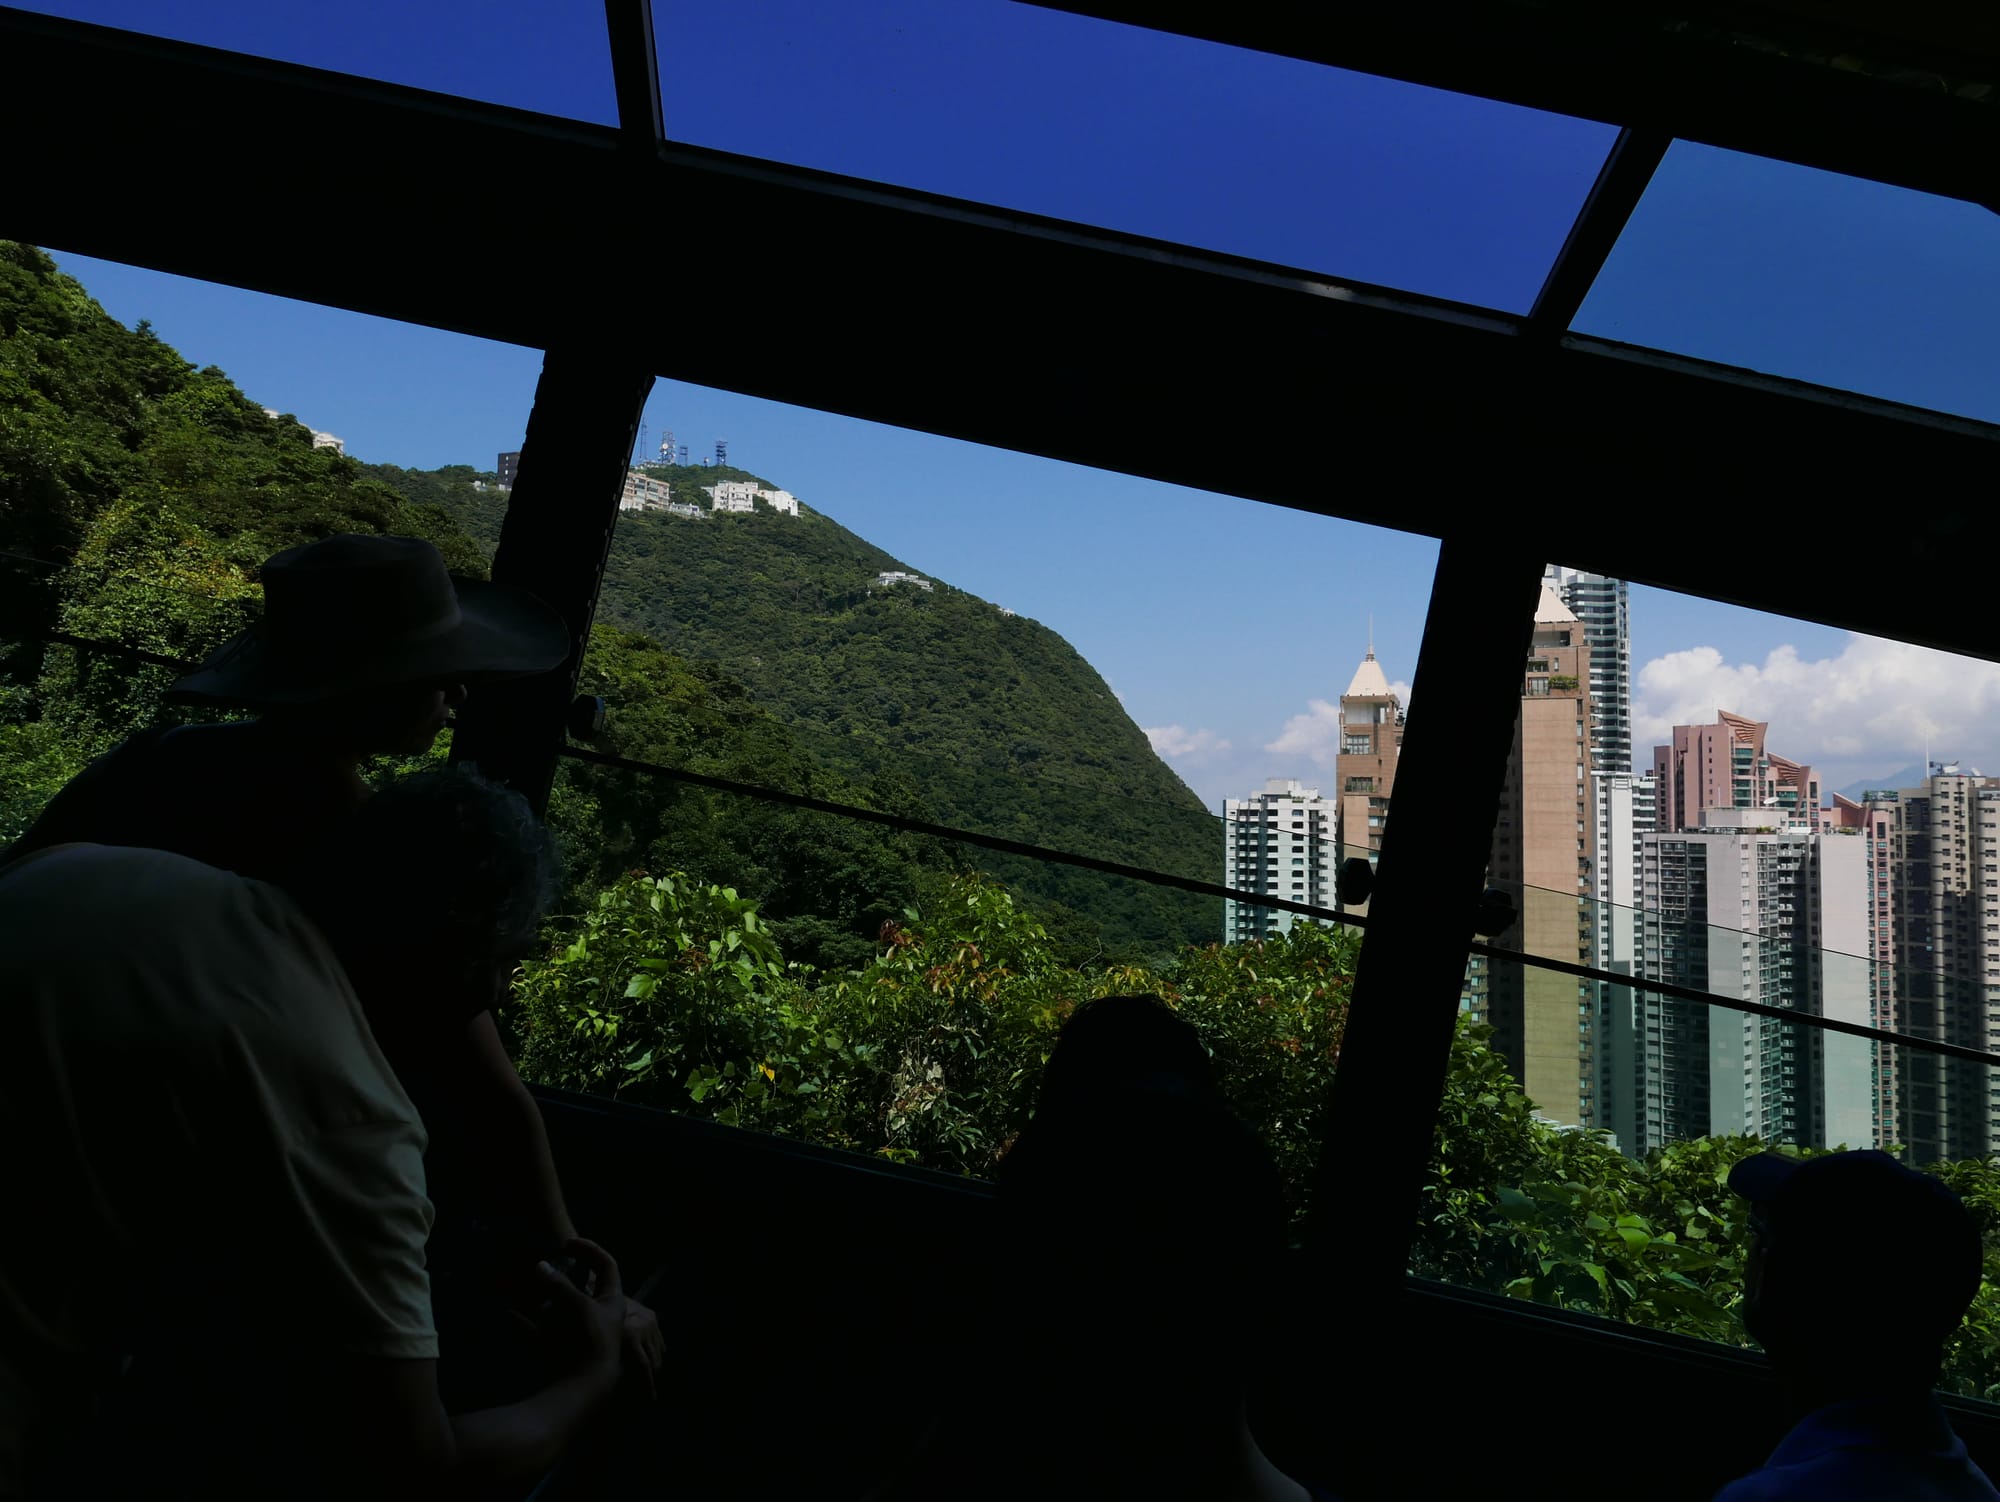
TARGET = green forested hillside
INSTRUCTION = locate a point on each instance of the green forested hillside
(138, 495)
(995, 719)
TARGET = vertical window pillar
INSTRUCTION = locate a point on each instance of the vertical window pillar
(553, 544)
(1428, 880)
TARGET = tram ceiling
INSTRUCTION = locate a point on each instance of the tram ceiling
(984, 324)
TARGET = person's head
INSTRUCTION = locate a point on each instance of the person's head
(1859, 1271)
(400, 719)
(1131, 1040)
(1145, 1230)
(366, 642)
(430, 894)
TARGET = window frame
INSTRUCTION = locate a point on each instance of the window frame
(941, 285)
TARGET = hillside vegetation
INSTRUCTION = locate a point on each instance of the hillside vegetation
(987, 721)
(139, 494)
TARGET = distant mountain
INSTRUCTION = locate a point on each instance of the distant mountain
(992, 721)
(1911, 776)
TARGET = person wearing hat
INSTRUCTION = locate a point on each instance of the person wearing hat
(1859, 1272)
(365, 646)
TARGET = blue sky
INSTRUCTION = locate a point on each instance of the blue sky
(1756, 263)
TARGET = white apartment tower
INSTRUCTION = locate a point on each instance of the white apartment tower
(1945, 885)
(1277, 843)
(1752, 906)
(1604, 607)
(1625, 813)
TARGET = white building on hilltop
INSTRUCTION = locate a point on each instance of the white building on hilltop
(320, 440)
(1277, 843)
(741, 495)
(643, 493)
(897, 576)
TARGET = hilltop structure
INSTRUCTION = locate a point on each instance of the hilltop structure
(743, 495)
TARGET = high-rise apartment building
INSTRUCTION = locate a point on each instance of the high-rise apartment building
(1623, 802)
(1371, 740)
(1603, 605)
(1873, 821)
(505, 466)
(1945, 897)
(1726, 765)
(1543, 844)
(1277, 843)
(1748, 904)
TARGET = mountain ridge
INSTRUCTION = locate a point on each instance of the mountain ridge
(998, 722)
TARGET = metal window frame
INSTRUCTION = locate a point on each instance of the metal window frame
(929, 313)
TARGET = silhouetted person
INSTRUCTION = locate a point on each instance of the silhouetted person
(1860, 1271)
(365, 645)
(1143, 1232)
(217, 1209)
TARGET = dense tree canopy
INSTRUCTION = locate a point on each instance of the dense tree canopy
(674, 993)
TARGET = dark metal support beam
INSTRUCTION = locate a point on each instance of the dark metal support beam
(916, 311)
(919, 312)
(1428, 880)
(635, 72)
(553, 544)
(1621, 183)
(1696, 72)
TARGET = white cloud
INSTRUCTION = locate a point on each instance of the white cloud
(1877, 705)
(1314, 735)
(1176, 743)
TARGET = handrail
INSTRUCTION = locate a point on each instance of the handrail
(1001, 845)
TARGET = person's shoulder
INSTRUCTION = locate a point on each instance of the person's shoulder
(1761, 1486)
(105, 872)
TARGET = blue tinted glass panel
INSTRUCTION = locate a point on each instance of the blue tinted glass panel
(1134, 130)
(1812, 275)
(548, 55)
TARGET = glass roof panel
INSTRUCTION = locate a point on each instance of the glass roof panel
(548, 55)
(1797, 272)
(1086, 120)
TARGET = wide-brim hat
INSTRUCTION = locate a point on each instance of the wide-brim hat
(354, 613)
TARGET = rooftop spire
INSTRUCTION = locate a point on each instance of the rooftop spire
(1369, 680)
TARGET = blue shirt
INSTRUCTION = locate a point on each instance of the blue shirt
(1873, 1449)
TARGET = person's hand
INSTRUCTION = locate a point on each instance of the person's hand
(582, 1327)
(644, 1347)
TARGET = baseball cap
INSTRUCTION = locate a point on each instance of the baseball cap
(1870, 1224)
